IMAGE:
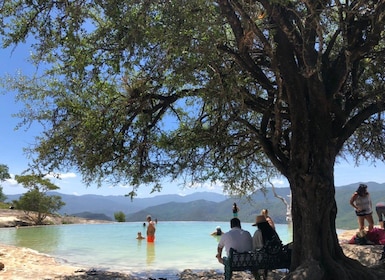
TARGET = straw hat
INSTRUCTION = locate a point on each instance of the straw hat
(259, 219)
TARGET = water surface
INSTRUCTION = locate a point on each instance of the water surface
(178, 245)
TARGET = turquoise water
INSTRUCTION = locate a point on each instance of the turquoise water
(178, 245)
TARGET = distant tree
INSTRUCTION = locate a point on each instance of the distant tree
(4, 174)
(3, 197)
(225, 90)
(120, 216)
(35, 202)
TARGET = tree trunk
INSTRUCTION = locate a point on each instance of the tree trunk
(316, 251)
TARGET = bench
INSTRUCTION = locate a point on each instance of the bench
(267, 258)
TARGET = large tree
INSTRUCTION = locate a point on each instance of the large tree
(229, 91)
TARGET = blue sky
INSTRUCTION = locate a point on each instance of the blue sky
(12, 143)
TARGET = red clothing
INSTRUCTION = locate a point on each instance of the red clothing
(150, 238)
(376, 235)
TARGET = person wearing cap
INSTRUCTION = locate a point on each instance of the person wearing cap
(236, 238)
(150, 229)
(264, 233)
(218, 231)
(362, 204)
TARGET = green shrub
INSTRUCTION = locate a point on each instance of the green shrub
(120, 216)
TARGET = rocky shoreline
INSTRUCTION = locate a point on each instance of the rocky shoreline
(17, 218)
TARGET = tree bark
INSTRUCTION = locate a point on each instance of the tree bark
(316, 250)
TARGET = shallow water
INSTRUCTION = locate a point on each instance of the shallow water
(178, 245)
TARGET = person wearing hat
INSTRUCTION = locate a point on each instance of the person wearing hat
(236, 238)
(218, 231)
(264, 233)
(150, 229)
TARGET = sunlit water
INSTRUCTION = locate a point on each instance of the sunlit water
(178, 245)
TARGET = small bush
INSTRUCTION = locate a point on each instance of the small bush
(120, 216)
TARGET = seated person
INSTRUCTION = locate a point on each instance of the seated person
(237, 238)
(264, 233)
(218, 231)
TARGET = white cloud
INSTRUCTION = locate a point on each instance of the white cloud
(124, 186)
(278, 183)
(11, 182)
(10, 186)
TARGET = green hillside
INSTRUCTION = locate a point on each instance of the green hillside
(202, 210)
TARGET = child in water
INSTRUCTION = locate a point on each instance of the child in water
(139, 237)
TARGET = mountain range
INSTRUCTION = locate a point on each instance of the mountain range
(205, 206)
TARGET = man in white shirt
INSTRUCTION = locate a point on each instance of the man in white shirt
(236, 238)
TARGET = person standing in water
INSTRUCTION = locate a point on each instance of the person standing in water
(150, 230)
(235, 210)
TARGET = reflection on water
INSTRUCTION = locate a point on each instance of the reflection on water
(217, 237)
(150, 252)
(46, 238)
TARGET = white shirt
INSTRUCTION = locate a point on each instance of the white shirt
(237, 239)
(257, 240)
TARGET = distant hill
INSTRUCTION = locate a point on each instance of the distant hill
(108, 205)
(206, 206)
(92, 216)
(176, 211)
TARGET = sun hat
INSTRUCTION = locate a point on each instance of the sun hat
(259, 219)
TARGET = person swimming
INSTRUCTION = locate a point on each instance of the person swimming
(218, 231)
(140, 237)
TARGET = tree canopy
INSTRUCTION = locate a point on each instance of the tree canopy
(229, 91)
(4, 172)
